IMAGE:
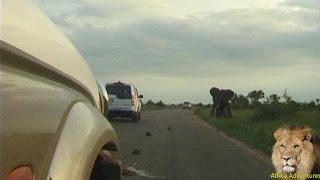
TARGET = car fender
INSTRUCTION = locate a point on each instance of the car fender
(83, 134)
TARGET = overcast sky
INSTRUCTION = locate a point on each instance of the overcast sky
(176, 50)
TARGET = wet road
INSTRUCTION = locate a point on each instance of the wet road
(191, 150)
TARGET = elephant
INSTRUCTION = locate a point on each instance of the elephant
(221, 104)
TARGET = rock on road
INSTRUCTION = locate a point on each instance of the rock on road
(191, 150)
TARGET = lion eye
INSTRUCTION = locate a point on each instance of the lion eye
(282, 145)
(295, 146)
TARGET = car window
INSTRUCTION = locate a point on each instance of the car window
(121, 91)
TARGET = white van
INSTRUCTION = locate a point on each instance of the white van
(124, 100)
(187, 105)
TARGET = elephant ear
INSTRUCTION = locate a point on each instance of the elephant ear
(230, 94)
(214, 91)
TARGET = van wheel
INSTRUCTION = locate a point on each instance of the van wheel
(105, 170)
(105, 114)
(135, 117)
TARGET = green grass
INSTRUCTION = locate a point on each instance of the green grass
(258, 133)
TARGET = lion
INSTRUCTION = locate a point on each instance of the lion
(296, 151)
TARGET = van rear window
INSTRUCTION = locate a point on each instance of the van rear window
(121, 91)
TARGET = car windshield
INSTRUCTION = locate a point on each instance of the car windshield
(121, 91)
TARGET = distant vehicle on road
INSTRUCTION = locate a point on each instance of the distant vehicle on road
(187, 105)
(124, 101)
(104, 99)
(51, 127)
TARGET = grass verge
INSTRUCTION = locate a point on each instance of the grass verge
(258, 133)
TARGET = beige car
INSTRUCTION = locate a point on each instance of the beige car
(51, 122)
(103, 94)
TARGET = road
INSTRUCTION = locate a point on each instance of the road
(191, 150)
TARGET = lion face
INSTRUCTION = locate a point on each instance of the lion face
(293, 151)
(289, 148)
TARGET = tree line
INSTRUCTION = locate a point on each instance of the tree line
(257, 98)
(151, 103)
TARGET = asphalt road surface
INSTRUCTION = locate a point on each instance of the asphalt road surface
(191, 150)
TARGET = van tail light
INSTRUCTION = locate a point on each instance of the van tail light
(132, 100)
(21, 173)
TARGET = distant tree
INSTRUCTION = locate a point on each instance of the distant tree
(255, 96)
(239, 101)
(287, 98)
(311, 105)
(235, 99)
(150, 102)
(318, 101)
(160, 104)
(273, 99)
(200, 104)
(243, 101)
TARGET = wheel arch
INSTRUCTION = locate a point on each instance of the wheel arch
(84, 133)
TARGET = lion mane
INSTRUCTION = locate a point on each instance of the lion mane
(296, 150)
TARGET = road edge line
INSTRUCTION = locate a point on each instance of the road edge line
(255, 152)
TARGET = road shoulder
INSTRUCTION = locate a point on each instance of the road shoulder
(255, 152)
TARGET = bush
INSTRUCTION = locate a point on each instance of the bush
(160, 104)
(274, 111)
(150, 102)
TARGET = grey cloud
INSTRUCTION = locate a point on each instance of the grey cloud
(310, 4)
(90, 11)
(174, 45)
(236, 43)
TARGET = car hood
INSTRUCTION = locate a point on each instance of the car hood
(26, 28)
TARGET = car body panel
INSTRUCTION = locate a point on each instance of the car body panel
(103, 90)
(25, 27)
(104, 99)
(31, 111)
(120, 104)
(85, 139)
(40, 90)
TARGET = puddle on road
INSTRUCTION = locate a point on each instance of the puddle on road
(144, 173)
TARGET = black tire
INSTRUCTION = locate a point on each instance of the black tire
(139, 115)
(106, 114)
(135, 117)
(104, 170)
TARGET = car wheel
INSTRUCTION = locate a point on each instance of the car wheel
(135, 117)
(106, 114)
(139, 116)
(105, 170)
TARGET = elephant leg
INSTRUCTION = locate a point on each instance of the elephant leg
(228, 111)
(219, 111)
(213, 109)
(223, 110)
